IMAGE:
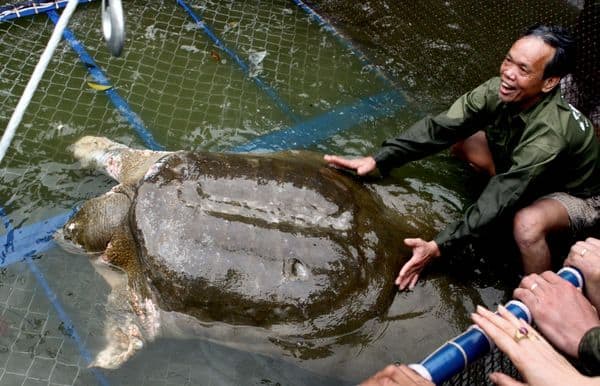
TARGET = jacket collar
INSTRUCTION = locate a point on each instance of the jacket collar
(531, 113)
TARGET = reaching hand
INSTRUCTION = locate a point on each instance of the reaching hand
(560, 311)
(423, 252)
(532, 355)
(585, 256)
(362, 166)
(394, 375)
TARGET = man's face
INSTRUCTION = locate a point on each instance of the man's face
(522, 70)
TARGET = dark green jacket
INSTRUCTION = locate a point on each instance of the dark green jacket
(589, 352)
(548, 148)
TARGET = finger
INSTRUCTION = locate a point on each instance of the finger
(540, 283)
(593, 248)
(400, 276)
(576, 248)
(529, 280)
(414, 242)
(333, 158)
(339, 161)
(579, 248)
(405, 281)
(503, 333)
(388, 371)
(552, 278)
(519, 324)
(527, 296)
(497, 319)
(329, 158)
(502, 328)
(573, 260)
(410, 374)
(497, 334)
(362, 170)
(413, 282)
(408, 267)
(504, 380)
(593, 242)
(577, 261)
(507, 315)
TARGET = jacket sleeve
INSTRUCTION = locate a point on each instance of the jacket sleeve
(433, 134)
(530, 160)
(589, 352)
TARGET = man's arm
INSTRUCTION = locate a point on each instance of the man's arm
(433, 134)
(589, 351)
(430, 134)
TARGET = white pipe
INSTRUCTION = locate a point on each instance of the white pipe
(38, 72)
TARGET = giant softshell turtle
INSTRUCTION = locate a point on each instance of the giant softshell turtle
(277, 241)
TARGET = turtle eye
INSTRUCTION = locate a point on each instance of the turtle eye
(298, 270)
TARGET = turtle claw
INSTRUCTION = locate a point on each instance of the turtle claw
(122, 346)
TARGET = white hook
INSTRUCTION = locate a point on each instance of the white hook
(113, 25)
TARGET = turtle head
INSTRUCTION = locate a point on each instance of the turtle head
(124, 164)
(93, 151)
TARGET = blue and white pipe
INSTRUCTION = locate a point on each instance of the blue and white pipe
(456, 354)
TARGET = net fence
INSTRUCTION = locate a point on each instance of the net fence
(217, 77)
(438, 50)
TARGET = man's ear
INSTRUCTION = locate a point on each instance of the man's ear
(550, 83)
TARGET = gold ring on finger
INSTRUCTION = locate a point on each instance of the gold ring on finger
(533, 286)
(521, 333)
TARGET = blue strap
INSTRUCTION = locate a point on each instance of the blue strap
(28, 240)
(314, 130)
(100, 78)
(259, 82)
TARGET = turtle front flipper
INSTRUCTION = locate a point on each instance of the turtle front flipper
(132, 318)
(122, 334)
(127, 316)
(123, 343)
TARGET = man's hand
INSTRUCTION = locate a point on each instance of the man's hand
(585, 256)
(362, 166)
(560, 311)
(423, 252)
(394, 375)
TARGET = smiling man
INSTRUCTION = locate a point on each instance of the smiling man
(541, 154)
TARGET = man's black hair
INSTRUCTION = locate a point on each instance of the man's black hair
(558, 37)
